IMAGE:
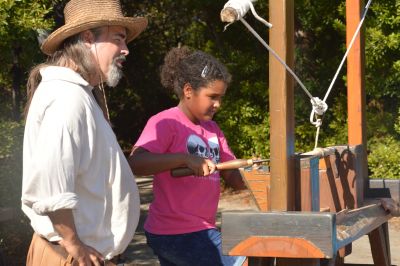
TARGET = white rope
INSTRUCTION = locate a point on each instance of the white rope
(235, 10)
(241, 7)
(314, 113)
(276, 56)
(317, 134)
(348, 49)
(266, 23)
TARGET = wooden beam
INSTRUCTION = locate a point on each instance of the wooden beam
(351, 225)
(307, 183)
(258, 181)
(281, 104)
(355, 75)
(380, 246)
(277, 233)
(356, 98)
(299, 234)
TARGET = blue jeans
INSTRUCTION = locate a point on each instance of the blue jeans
(201, 248)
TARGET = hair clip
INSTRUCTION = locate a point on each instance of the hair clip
(204, 72)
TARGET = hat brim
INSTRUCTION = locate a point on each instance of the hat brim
(134, 27)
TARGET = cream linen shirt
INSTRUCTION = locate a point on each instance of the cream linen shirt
(72, 160)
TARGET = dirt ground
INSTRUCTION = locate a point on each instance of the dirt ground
(138, 253)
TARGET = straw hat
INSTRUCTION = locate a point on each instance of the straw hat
(81, 15)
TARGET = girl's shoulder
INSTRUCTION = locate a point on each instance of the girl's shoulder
(168, 114)
(211, 125)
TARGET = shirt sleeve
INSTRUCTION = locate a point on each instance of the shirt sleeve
(157, 135)
(55, 157)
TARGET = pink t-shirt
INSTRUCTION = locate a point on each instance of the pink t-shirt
(183, 204)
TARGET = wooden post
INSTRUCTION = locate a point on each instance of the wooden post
(356, 98)
(281, 15)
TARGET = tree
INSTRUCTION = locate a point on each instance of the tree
(18, 43)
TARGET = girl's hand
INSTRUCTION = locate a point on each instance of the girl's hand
(200, 166)
(390, 205)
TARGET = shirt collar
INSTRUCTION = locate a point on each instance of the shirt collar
(63, 73)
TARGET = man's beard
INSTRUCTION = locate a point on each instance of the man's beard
(114, 73)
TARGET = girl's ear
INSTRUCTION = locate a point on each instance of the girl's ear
(187, 91)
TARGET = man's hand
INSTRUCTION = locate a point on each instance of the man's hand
(63, 222)
(83, 254)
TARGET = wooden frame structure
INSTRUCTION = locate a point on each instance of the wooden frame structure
(325, 191)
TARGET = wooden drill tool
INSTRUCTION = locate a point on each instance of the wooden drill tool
(232, 164)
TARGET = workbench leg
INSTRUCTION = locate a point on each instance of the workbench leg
(380, 247)
(297, 262)
(259, 261)
(336, 261)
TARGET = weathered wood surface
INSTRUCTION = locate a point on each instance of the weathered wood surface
(297, 234)
(281, 106)
(340, 184)
(380, 246)
(307, 183)
(258, 181)
(353, 224)
(288, 234)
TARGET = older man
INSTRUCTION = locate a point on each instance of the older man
(78, 189)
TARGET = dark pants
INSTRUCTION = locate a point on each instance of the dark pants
(201, 248)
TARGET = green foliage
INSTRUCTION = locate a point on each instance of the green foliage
(383, 51)
(197, 25)
(244, 117)
(19, 20)
(15, 235)
(383, 159)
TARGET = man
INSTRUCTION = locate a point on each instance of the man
(78, 189)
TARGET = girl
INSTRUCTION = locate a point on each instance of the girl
(180, 227)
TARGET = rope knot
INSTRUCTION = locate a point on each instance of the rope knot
(319, 106)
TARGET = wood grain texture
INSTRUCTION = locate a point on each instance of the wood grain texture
(316, 228)
(258, 181)
(299, 234)
(258, 246)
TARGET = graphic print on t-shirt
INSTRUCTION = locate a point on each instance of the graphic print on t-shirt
(214, 149)
(196, 146)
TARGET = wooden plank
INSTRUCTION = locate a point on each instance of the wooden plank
(297, 234)
(379, 240)
(356, 96)
(297, 262)
(341, 183)
(258, 181)
(355, 75)
(281, 105)
(281, 247)
(352, 225)
(316, 231)
(259, 261)
(307, 183)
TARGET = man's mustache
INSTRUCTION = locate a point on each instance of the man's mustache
(121, 59)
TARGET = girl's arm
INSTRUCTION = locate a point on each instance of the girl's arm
(234, 179)
(143, 162)
(391, 205)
